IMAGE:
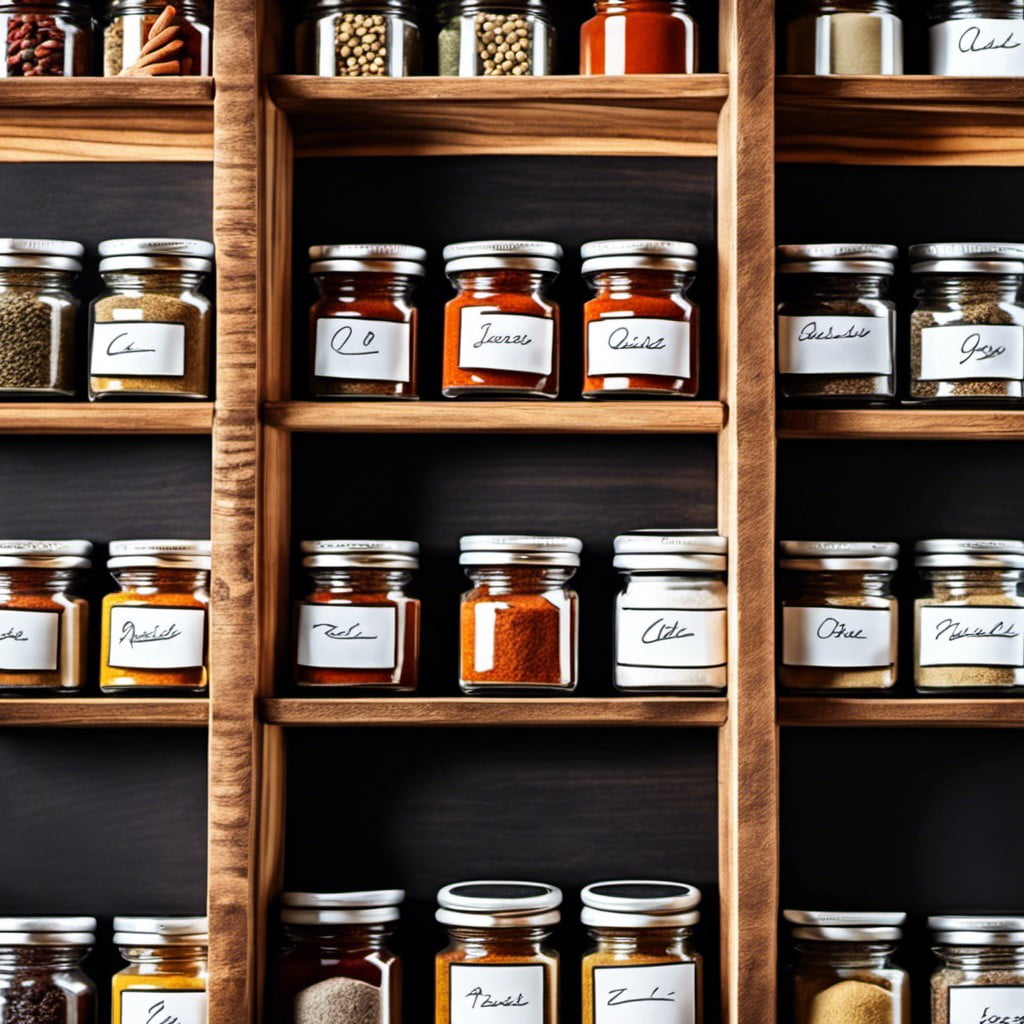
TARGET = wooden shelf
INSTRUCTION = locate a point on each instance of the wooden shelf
(667, 417)
(97, 418)
(106, 119)
(921, 712)
(497, 711)
(904, 424)
(634, 115)
(104, 712)
(904, 119)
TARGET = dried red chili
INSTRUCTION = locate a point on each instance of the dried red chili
(639, 37)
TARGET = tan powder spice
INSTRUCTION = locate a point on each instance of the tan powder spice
(953, 977)
(339, 1000)
(854, 1002)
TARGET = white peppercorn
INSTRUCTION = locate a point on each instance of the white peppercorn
(514, 37)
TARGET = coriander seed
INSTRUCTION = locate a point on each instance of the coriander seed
(496, 38)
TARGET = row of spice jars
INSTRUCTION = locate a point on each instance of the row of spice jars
(501, 331)
(337, 965)
(839, 616)
(494, 38)
(42, 980)
(149, 330)
(141, 38)
(843, 972)
(865, 37)
(358, 627)
(837, 326)
(154, 628)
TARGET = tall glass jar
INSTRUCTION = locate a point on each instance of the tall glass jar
(336, 964)
(497, 955)
(640, 330)
(976, 37)
(359, 39)
(41, 978)
(967, 331)
(843, 969)
(639, 37)
(969, 627)
(154, 636)
(501, 329)
(46, 38)
(670, 616)
(37, 316)
(839, 618)
(157, 37)
(981, 970)
(357, 627)
(495, 38)
(43, 620)
(845, 37)
(165, 979)
(151, 328)
(520, 622)
(363, 326)
(643, 956)
(836, 325)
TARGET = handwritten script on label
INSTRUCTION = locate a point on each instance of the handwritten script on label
(117, 346)
(486, 1000)
(623, 996)
(132, 635)
(14, 634)
(352, 632)
(949, 629)
(811, 332)
(972, 42)
(487, 338)
(341, 342)
(659, 631)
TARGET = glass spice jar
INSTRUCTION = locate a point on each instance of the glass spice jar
(495, 38)
(981, 970)
(836, 325)
(359, 39)
(976, 37)
(501, 330)
(46, 38)
(497, 956)
(165, 980)
(670, 616)
(844, 37)
(146, 38)
(363, 326)
(43, 621)
(41, 978)
(337, 965)
(154, 631)
(151, 328)
(37, 315)
(357, 626)
(643, 958)
(969, 628)
(839, 618)
(639, 37)
(640, 330)
(967, 330)
(843, 969)
(520, 620)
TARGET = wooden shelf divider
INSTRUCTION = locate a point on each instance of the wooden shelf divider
(903, 424)
(886, 712)
(110, 418)
(103, 712)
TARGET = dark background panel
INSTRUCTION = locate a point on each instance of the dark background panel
(926, 821)
(420, 809)
(438, 200)
(435, 488)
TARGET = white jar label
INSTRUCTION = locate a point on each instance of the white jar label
(351, 348)
(972, 351)
(624, 346)
(137, 349)
(670, 638)
(512, 995)
(971, 636)
(163, 1007)
(489, 340)
(837, 637)
(347, 636)
(978, 46)
(1003, 1004)
(159, 637)
(29, 641)
(835, 344)
(651, 994)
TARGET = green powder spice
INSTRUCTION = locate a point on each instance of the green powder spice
(36, 343)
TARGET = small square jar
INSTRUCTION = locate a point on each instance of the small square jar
(844, 37)
(46, 38)
(359, 39)
(156, 38)
(495, 38)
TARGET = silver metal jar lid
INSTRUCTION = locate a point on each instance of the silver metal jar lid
(638, 247)
(41, 254)
(838, 267)
(499, 904)
(171, 554)
(161, 931)
(497, 255)
(321, 908)
(968, 267)
(45, 554)
(635, 903)
(186, 264)
(375, 251)
(47, 931)
(600, 264)
(846, 926)
(853, 556)
(972, 930)
(340, 266)
(976, 554)
(360, 554)
(157, 247)
(671, 550)
(842, 251)
(967, 251)
(519, 549)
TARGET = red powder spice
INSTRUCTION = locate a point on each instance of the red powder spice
(638, 37)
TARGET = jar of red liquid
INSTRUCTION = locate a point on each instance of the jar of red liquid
(501, 330)
(639, 37)
(356, 626)
(640, 329)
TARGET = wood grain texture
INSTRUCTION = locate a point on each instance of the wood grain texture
(904, 424)
(921, 712)
(96, 418)
(103, 712)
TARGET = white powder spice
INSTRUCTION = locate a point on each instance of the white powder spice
(339, 1001)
